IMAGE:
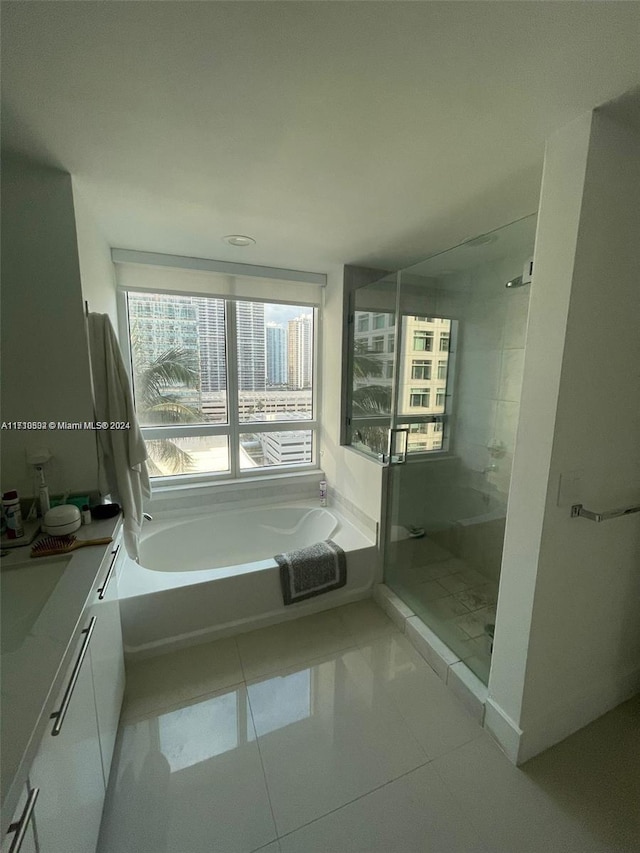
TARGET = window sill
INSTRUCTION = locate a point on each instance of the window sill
(161, 487)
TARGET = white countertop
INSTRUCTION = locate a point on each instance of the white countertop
(33, 667)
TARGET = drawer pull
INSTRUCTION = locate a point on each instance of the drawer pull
(103, 589)
(20, 826)
(59, 716)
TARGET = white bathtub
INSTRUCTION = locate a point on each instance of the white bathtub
(213, 574)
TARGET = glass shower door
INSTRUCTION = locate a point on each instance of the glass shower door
(460, 335)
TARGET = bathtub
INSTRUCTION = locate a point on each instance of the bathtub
(213, 574)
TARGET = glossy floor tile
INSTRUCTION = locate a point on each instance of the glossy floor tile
(189, 779)
(168, 679)
(359, 748)
(414, 814)
(364, 620)
(438, 721)
(516, 809)
(328, 733)
(290, 643)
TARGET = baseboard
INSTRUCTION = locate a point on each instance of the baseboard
(503, 730)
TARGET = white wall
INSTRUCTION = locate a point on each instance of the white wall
(355, 477)
(567, 644)
(97, 272)
(45, 368)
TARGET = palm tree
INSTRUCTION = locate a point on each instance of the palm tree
(160, 391)
(369, 399)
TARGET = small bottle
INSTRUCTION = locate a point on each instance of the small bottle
(45, 502)
(12, 514)
(86, 514)
(323, 492)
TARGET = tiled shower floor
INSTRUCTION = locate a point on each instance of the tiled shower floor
(332, 734)
(454, 599)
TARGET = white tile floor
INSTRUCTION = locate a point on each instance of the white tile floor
(332, 734)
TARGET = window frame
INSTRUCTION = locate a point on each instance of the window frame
(234, 428)
(419, 392)
(424, 335)
(423, 364)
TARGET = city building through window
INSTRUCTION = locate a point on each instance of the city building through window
(222, 386)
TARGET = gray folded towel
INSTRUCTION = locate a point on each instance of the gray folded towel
(311, 571)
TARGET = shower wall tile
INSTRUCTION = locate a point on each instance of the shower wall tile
(481, 377)
(516, 325)
(507, 412)
(476, 418)
(511, 376)
(484, 324)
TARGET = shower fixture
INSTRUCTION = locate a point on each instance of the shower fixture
(516, 282)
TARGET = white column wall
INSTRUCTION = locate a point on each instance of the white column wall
(567, 644)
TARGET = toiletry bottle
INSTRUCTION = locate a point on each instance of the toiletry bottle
(86, 514)
(323, 492)
(12, 514)
(45, 503)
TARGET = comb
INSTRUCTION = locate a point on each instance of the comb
(51, 545)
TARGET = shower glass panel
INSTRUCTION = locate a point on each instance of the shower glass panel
(372, 351)
(460, 344)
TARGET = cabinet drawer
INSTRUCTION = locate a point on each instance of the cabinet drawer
(68, 768)
(21, 835)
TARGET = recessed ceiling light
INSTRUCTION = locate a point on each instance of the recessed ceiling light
(238, 240)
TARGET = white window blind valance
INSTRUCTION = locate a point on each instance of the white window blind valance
(150, 271)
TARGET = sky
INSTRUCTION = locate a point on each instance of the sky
(281, 314)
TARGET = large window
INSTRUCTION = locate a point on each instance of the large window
(222, 386)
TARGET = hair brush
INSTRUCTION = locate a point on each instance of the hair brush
(48, 546)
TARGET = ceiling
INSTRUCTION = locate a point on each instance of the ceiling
(344, 132)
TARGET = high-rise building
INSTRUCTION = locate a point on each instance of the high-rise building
(160, 323)
(276, 354)
(299, 352)
(252, 366)
(211, 334)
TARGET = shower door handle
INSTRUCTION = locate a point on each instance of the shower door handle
(402, 457)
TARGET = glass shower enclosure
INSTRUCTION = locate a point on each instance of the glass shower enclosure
(436, 359)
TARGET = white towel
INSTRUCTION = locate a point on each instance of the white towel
(122, 452)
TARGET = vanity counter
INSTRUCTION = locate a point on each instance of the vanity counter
(44, 608)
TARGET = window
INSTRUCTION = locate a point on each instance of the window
(440, 395)
(363, 322)
(437, 426)
(391, 343)
(419, 397)
(425, 319)
(388, 370)
(222, 386)
(420, 369)
(442, 370)
(377, 344)
(422, 341)
(444, 343)
(380, 321)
